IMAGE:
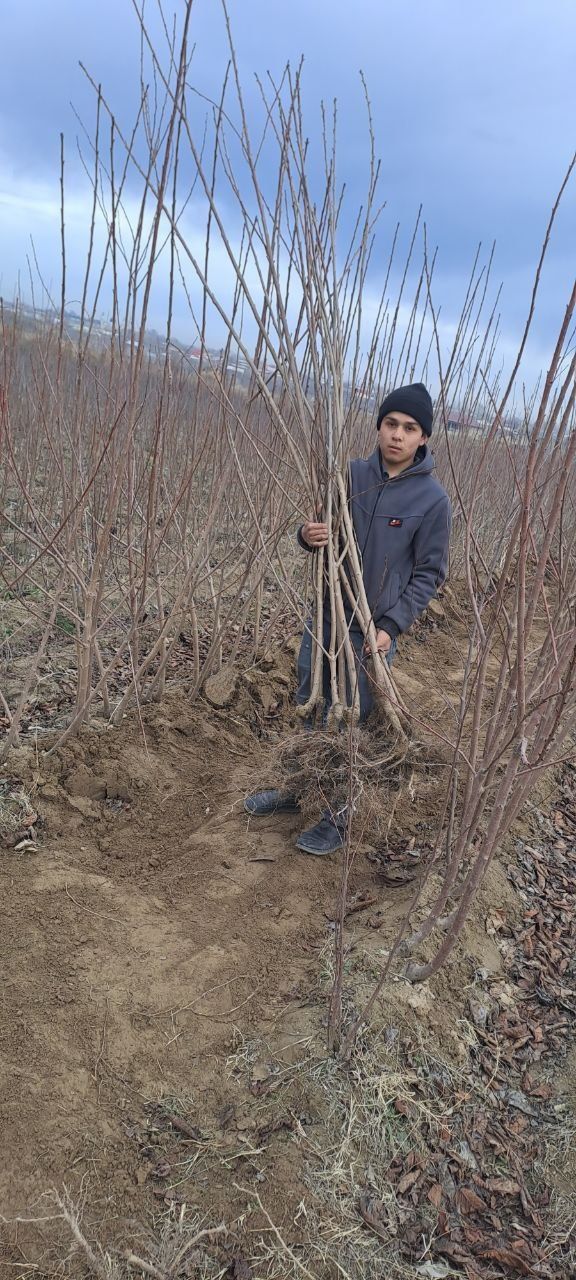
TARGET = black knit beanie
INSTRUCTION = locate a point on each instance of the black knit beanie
(414, 400)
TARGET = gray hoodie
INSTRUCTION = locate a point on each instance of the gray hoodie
(402, 525)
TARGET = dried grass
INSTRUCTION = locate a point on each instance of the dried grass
(177, 1246)
(16, 808)
(361, 1134)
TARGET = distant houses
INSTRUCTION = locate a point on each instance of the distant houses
(230, 364)
(479, 423)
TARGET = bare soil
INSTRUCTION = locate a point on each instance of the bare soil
(166, 963)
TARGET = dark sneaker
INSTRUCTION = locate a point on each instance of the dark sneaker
(263, 802)
(325, 837)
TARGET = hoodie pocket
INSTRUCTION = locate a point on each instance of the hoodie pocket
(395, 589)
(390, 592)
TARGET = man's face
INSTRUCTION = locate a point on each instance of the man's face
(399, 436)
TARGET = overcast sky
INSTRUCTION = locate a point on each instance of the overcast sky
(474, 111)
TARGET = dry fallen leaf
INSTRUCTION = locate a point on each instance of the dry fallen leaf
(509, 1258)
(472, 1235)
(543, 1090)
(373, 1213)
(480, 1010)
(408, 1181)
(435, 1195)
(469, 1202)
(505, 1186)
(515, 1098)
(495, 922)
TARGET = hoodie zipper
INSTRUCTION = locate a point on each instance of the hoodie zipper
(383, 486)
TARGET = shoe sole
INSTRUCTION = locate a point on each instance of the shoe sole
(265, 813)
(318, 853)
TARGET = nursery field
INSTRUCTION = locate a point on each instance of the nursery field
(222, 1058)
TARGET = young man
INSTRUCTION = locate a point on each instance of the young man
(401, 517)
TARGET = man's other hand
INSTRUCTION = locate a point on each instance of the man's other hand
(315, 534)
(383, 643)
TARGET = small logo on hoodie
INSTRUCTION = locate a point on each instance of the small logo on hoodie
(395, 523)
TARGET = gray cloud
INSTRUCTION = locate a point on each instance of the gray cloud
(473, 109)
